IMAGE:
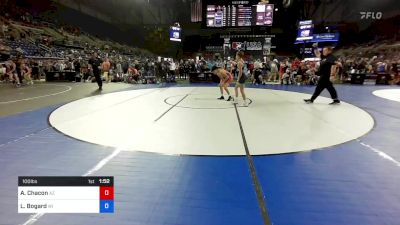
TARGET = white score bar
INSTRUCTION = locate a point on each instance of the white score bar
(58, 206)
(58, 193)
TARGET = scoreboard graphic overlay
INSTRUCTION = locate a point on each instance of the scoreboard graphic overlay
(238, 14)
(65, 194)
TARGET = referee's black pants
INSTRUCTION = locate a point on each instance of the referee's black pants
(98, 79)
(322, 84)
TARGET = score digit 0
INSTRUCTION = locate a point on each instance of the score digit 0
(107, 193)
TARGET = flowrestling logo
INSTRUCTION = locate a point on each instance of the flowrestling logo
(371, 15)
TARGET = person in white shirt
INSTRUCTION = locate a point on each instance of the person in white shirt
(172, 68)
(274, 71)
(257, 73)
(119, 69)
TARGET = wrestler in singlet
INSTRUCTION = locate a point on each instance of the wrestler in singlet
(226, 79)
(26, 73)
(12, 73)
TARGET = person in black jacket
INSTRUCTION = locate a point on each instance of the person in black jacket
(327, 72)
(77, 66)
(95, 62)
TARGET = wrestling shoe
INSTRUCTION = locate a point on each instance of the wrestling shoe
(221, 98)
(335, 102)
(230, 99)
(308, 101)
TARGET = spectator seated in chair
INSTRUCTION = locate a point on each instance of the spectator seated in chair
(310, 78)
(288, 77)
(133, 74)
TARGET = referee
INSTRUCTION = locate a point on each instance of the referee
(327, 72)
(95, 62)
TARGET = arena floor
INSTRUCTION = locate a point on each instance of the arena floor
(181, 157)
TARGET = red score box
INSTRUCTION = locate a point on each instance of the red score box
(106, 193)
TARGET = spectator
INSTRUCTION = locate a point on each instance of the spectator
(35, 70)
(274, 71)
(4, 29)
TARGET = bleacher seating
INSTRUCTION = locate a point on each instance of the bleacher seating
(28, 48)
(41, 40)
